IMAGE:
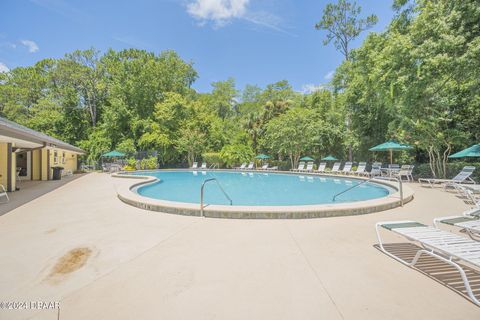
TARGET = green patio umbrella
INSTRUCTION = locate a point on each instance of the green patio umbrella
(262, 156)
(471, 152)
(113, 154)
(307, 159)
(329, 158)
(391, 146)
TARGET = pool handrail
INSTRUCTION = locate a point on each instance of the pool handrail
(202, 191)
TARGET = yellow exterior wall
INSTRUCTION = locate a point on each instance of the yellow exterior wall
(64, 158)
(14, 171)
(45, 168)
(69, 162)
(36, 164)
(4, 169)
(3, 164)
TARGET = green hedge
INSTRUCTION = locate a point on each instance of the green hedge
(423, 170)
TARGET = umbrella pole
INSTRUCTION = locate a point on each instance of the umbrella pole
(391, 156)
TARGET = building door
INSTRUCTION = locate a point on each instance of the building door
(24, 165)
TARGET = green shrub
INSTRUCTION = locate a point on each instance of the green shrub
(148, 163)
(212, 158)
(235, 154)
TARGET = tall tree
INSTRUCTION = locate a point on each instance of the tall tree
(343, 25)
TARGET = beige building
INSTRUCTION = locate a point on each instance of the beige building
(26, 154)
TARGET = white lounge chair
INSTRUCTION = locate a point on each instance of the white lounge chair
(250, 165)
(195, 165)
(462, 177)
(469, 192)
(376, 171)
(445, 246)
(4, 194)
(321, 167)
(347, 168)
(336, 167)
(309, 167)
(362, 166)
(301, 166)
(405, 171)
(204, 165)
(242, 166)
(468, 222)
(273, 168)
(264, 167)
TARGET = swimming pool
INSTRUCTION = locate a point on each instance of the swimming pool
(257, 188)
(257, 194)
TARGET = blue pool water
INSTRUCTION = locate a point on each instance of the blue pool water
(257, 189)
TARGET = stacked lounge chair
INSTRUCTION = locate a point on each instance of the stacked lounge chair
(195, 165)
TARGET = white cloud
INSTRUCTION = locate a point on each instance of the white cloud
(31, 45)
(329, 75)
(221, 12)
(310, 88)
(3, 68)
(218, 11)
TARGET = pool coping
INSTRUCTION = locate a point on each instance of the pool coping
(127, 194)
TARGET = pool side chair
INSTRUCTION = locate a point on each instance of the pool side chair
(462, 177)
(470, 193)
(242, 166)
(347, 168)
(274, 168)
(195, 165)
(251, 165)
(362, 166)
(468, 222)
(264, 167)
(376, 171)
(442, 245)
(405, 171)
(309, 167)
(3, 194)
(204, 165)
(301, 166)
(336, 167)
(321, 167)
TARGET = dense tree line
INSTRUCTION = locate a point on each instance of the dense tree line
(417, 82)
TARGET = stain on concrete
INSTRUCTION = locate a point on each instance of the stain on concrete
(70, 262)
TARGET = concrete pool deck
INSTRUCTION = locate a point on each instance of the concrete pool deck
(143, 265)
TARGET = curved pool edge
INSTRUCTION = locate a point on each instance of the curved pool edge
(126, 193)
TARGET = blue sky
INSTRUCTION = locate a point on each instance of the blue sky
(253, 41)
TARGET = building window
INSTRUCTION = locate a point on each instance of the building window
(63, 157)
(55, 157)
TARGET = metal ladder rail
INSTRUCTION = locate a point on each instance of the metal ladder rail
(350, 188)
(400, 187)
(202, 192)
